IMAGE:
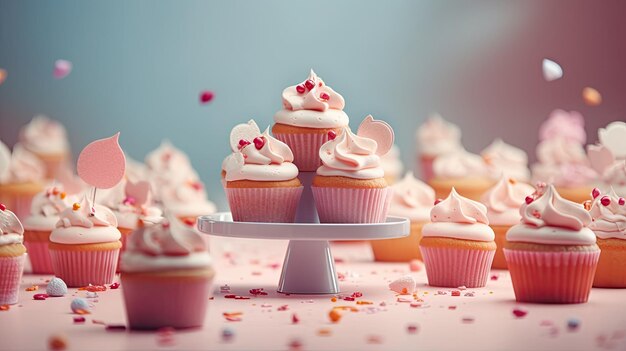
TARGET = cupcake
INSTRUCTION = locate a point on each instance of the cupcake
(608, 157)
(187, 201)
(462, 170)
(458, 245)
(44, 215)
(552, 254)
(12, 256)
(436, 137)
(85, 245)
(411, 199)
(503, 202)
(21, 177)
(350, 185)
(47, 139)
(261, 179)
(166, 275)
(310, 111)
(504, 159)
(392, 166)
(608, 212)
(562, 158)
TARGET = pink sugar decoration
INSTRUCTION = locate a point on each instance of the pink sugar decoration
(102, 163)
(519, 313)
(243, 143)
(300, 89)
(3, 207)
(605, 200)
(309, 84)
(206, 96)
(595, 192)
(621, 201)
(529, 200)
(332, 135)
(324, 96)
(259, 142)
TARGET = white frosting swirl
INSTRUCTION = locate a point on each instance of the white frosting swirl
(11, 230)
(168, 167)
(44, 136)
(19, 167)
(412, 199)
(352, 156)
(45, 209)
(187, 199)
(85, 223)
(436, 137)
(503, 201)
(504, 159)
(127, 210)
(609, 221)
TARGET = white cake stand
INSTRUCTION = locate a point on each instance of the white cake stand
(309, 267)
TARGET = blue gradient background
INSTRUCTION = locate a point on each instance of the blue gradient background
(140, 65)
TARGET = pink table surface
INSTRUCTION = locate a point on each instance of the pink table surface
(484, 321)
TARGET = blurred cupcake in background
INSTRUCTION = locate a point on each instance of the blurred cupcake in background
(458, 245)
(392, 165)
(12, 256)
(187, 201)
(504, 159)
(435, 137)
(608, 157)
(262, 182)
(552, 254)
(47, 139)
(503, 202)
(411, 199)
(608, 211)
(462, 170)
(311, 110)
(167, 275)
(562, 158)
(21, 178)
(44, 215)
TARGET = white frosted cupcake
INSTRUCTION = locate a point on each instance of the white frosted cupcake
(436, 137)
(21, 178)
(504, 159)
(47, 139)
(12, 256)
(466, 172)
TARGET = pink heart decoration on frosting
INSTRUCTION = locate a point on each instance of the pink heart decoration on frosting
(139, 191)
(600, 157)
(102, 163)
(245, 131)
(377, 130)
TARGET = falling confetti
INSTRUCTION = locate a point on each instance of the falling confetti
(62, 68)
(551, 70)
(206, 96)
(3, 75)
(591, 96)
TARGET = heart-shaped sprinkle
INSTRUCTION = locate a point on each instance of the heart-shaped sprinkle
(332, 135)
(595, 192)
(243, 143)
(259, 142)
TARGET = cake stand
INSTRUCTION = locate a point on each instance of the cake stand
(309, 267)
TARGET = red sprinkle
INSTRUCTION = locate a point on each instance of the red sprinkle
(529, 200)
(494, 277)
(348, 298)
(357, 294)
(621, 201)
(259, 142)
(294, 319)
(605, 200)
(40, 296)
(258, 292)
(3, 207)
(324, 96)
(519, 313)
(243, 143)
(456, 293)
(79, 319)
(309, 84)
(190, 222)
(595, 192)
(206, 96)
(300, 89)
(283, 308)
(412, 328)
(332, 135)
(438, 201)
(115, 327)
(114, 285)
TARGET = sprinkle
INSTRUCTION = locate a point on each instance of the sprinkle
(357, 294)
(621, 201)
(415, 266)
(80, 306)
(332, 135)
(236, 297)
(114, 286)
(334, 315)
(4, 307)
(494, 277)
(551, 70)
(283, 308)
(93, 288)
(573, 324)
(78, 320)
(412, 328)
(324, 96)
(63, 195)
(512, 181)
(206, 96)
(333, 299)
(300, 89)
(467, 320)
(40, 296)
(259, 142)
(56, 287)
(3, 207)
(115, 327)
(591, 96)
(76, 206)
(32, 288)
(364, 302)
(529, 199)
(309, 84)
(348, 298)
(374, 339)
(62, 69)
(595, 192)
(295, 319)
(455, 293)
(324, 332)
(97, 321)
(536, 214)
(605, 200)
(587, 205)
(227, 334)
(57, 342)
(258, 292)
(3, 76)
(519, 313)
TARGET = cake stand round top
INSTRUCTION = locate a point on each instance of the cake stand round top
(221, 224)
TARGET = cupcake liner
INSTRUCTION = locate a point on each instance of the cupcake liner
(11, 269)
(305, 148)
(264, 204)
(352, 205)
(39, 256)
(452, 267)
(552, 277)
(186, 306)
(81, 268)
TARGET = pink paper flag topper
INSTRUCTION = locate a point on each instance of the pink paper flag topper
(379, 131)
(102, 163)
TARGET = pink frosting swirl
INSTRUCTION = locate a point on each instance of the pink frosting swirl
(86, 215)
(550, 209)
(609, 216)
(458, 209)
(504, 159)
(312, 94)
(169, 238)
(412, 198)
(563, 124)
(350, 155)
(504, 200)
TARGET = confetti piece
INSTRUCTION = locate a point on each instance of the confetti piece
(573, 324)
(295, 319)
(62, 69)
(206, 96)
(258, 292)
(348, 298)
(93, 288)
(57, 342)
(236, 297)
(357, 294)
(295, 345)
(412, 328)
(455, 293)
(591, 96)
(467, 320)
(114, 286)
(32, 288)
(415, 266)
(283, 308)
(374, 339)
(4, 307)
(78, 320)
(494, 277)
(324, 332)
(551, 70)
(40, 296)
(519, 313)
(3, 75)
(403, 285)
(115, 327)
(227, 334)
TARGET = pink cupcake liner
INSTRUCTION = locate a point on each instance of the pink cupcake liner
(350, 205)
(264, 204)
(305, 148)
(452, 267)
(39, 256)
(81, 268)
(552, 277)
(186, 299)
(11, 269)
